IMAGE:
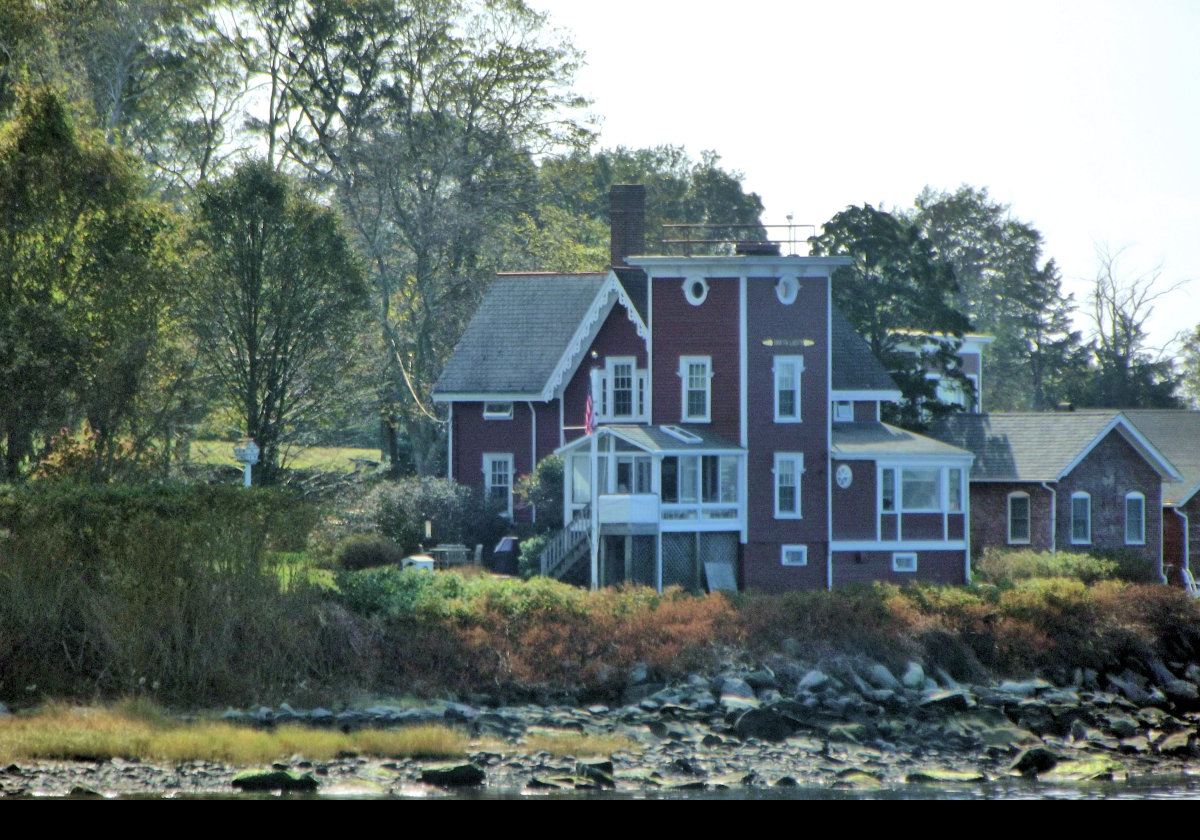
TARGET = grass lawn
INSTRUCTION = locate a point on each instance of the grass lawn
(329, 458)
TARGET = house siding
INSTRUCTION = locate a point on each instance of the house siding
(474, 436)
(1173, 531)
(763, 568)
(854, 516)
(617, 337)
(710, 329)
(989, 516)
(776, 329)
(868, 566)
(1111, 470)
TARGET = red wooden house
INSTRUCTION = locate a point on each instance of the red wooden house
(736, 439)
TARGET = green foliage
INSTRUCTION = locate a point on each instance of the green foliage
(1010, 293)
(365, 552)
(165, 590)
(1003, 567)
(543, 491)
(896, 284)
(529, 563)
(457, 514)
(274, 304)
(679, 190)
(89, 281)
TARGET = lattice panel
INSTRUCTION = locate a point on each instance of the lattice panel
(679, 560)
(642, 567)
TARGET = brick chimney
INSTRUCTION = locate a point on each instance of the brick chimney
(627, 214)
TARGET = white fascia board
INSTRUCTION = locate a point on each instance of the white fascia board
(471, 397)
(610, 294)
(1134, 438)
(896, 545)
(750, 265)
(889, 460)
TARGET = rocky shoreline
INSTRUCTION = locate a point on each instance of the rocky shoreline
(841, 727)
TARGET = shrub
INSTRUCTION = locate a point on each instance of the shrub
(529, 563)
(1003, 567)
(543, 490)
(365, 552)
(457, 514)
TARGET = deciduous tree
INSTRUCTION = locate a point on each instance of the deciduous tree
(275, 303)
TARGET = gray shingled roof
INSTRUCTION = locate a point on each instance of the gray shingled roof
(519, 334)
(1176, 434)
(875, 440)
(855, 367)
(1024, 446)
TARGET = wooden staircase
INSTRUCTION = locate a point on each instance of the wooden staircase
(567, 557)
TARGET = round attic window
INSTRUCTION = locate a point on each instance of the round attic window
(696, 290)
(787, 289)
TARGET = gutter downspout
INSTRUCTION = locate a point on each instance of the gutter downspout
(1053, 517)
(1187, 561)
(450, 444)
(532, 446)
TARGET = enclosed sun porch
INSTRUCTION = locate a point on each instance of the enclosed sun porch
(655, 505)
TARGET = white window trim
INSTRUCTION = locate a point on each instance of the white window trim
(1088, 539)
(695, 289)
(1028, 519)
(843, 411)
(787, 289)
(497, 410)
(606, 410)
(684, 363)
(797, 461)
(794, 386)
(901, 561)
(793, 555)
(1141, 498)
(506, 458)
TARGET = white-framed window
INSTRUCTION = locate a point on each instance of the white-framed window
(707, 479)
(622, 390)
(887, 490)
(497, 411)
(1135, 519)
(904, 561)
(843, 411)
(787, 388)
(787, 289)
(1019, 526)
(695, 289)
(794, 555)
(498, 479)
(955, 488)
(696, 373)
(920, 489)
(581, 480)
(789, 467)
(1081, 519)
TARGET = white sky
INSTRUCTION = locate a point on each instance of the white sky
(1084, 117)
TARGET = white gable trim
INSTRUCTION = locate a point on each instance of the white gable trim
(865, 396)
(1134, 438)
(610, 294)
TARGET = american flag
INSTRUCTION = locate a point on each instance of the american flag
(589, 415)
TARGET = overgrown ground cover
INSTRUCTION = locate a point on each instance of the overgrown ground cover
(198, 597)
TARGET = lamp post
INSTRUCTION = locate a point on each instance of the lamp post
(246, 451)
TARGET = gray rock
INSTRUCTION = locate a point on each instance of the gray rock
(914, 676)
(947, 700)
(880, 677)
(1180, 691)
(763, 724)
(259, 780)
(1176, 744)
(1035, 760)
(453, 775)
(736, 687)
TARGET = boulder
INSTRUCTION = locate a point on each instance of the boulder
(880, 677)
(764, 724)
(1034, 760)
(453, 775)
(914, 676)
(283, 780)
